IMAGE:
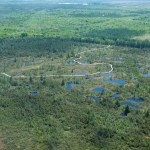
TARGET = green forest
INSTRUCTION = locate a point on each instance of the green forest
(74, 76)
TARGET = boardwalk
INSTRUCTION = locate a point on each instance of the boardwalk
(68, 75)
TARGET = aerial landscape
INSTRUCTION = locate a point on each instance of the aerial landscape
(74, 75)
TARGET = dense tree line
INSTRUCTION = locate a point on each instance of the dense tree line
(37, 46)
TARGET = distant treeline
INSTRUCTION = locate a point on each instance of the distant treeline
(119, 37)
(39, 46)
(119, 42)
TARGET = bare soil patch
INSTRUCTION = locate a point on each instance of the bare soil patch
(147, 137)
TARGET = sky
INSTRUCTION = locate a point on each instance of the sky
(80, 1)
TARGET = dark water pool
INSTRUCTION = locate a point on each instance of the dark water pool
(71, 63)
(129, 104)
(69, 84)
(89, 79)
(122, 115)
(120, 82)
(84, 63)
(137, 100)
(146, 75)
(33, 93)
(107, 75)
(99, 89)
(94, 98)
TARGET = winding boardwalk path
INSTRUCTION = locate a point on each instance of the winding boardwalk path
(72, 75)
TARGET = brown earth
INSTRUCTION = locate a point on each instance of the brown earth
(147, 137)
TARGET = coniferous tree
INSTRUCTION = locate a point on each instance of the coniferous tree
(117, 103)
(63, 83)
(147, 114)
(126, 110)
(31, 80)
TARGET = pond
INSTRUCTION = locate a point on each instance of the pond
(107, 75)
(99, 89)
(120, 82)
(33, 93)
(129, 104)
(80, 73)
(69, 84)
(146, 75)
(115, 95)
(71, 63)
(94, 98)
(135, 100)
(84, 63)
(89, 79)
(122, 115)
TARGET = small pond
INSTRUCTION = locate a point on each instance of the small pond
(99, 89)
(129, 104)
(84, 63)
(135, 100)
(146, 75)
(94, 98)
(115, 95)
(107, 75)
(69, 84)
(89, 79)
(120, 82)
(122, 115)
(80, 73)
(33, 93)
(71, 63)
